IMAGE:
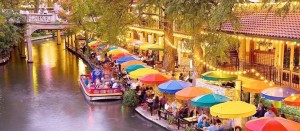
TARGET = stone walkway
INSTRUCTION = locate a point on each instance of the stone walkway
(154, 118)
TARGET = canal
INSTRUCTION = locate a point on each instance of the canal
(45, 96)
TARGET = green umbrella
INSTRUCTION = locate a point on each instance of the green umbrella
(218, 76)
(208, 100)
(133, 68)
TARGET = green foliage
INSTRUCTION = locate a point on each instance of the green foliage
(107, 19)
(171, 119)
(189, 128)
(35, 34)
(217, 46)
(9, 33)
(130, 99)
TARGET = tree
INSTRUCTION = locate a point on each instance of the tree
(8, 29)
(130, 99)
(203, 19)
(107, 19)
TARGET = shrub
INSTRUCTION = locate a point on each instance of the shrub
(35, 34)
(43, 33)
(130, 99)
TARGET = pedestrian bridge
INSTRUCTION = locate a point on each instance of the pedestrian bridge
(35, 21)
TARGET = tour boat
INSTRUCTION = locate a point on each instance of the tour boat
(92, 93)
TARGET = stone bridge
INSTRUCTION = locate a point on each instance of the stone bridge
(35, 22)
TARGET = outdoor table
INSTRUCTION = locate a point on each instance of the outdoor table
(191, 120)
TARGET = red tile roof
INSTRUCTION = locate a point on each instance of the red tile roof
(267, 24)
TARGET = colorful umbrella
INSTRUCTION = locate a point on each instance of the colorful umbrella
(191, 92)
(142, 72)
(113, 48)
(134, 67)
(278, 93)
(173, 86)
(89, 41)
(94, 43)
(233, 109)
(116, 51)
(125, 59)
(148, 46)
(218, 76)
(154, 79)
(209, 100)
(272, 124)
(119, 55)
(133, 62)
(293, 100)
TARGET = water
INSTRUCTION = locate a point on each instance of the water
(45, 96)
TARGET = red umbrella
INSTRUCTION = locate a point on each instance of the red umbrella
(154, 79)
(120, 55)
(272, 124)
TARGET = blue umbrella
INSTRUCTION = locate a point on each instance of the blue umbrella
(173, 86)
(125, 59)
(208, 100)
(278, 93)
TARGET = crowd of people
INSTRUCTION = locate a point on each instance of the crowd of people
(262, 111)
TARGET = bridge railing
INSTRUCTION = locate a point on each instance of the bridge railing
(35, 18)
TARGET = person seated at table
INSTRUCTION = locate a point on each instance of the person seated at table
(162, 102)
(184, 111)
(216, 119)
(201, 116)
(194, 112)
(269, 113)
(203, 123)
(173, 77)
(215, 127)
(181, 76)
(260, 111)
(174, 107)
(150, 92)
(273, 109)
(167, 107)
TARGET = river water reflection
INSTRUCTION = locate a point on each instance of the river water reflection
(45, 96)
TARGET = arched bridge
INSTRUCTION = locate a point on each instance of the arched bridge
(35, 22)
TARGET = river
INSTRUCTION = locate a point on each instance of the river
(45, 96)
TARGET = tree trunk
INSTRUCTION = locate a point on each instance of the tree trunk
(36, 6)
(198, 67)
(169, 52)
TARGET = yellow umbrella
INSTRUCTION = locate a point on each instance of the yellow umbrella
(142, 72)
(233, 109)
(117, 51)
(148, 46)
